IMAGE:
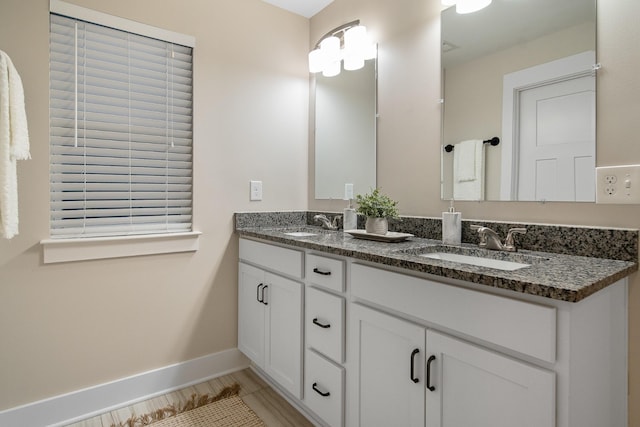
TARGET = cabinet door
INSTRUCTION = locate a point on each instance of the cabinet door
(480, 388)
(283, 357)
(387, 384)
(251, 313)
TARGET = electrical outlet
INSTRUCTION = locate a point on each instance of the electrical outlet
(255, 190)
(618, 184)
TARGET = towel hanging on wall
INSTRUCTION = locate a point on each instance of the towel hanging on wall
(14, 143)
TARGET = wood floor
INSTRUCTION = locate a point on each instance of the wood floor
(258, 395)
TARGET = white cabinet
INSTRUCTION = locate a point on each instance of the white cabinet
(386, 385)
(471, 386)
(465, 385)
(502, 361)
(270, 325)
(325, 338)
(383, 348)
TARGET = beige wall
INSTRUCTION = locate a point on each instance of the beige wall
(69, 326)
(409, 125)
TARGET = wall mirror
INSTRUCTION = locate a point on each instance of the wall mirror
(345, 131)
(524, 72)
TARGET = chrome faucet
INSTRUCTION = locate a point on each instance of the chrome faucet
(489, 239)
(329, 225)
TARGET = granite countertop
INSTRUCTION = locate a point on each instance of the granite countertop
(551, 275)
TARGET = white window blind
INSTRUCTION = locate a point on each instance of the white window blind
(120, 132)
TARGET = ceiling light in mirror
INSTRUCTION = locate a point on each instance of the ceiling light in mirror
(470, 6)
(467, 6)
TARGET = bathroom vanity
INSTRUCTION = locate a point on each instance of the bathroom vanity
(360, 333)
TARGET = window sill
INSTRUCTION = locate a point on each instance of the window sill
(82, 249)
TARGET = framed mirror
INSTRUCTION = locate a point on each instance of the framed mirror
(345, 132)
(522, 73)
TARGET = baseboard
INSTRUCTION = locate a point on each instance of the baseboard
(81, 404)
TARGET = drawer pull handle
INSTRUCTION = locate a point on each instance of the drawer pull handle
(316, 322)
(263, 300)
(324, 273)
(429, 386)
(258, 289)
(412, 361)
(317, 390)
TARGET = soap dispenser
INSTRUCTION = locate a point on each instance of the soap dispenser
(349, 218)
(451, 226)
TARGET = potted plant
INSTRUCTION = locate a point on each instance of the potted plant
(378, 208)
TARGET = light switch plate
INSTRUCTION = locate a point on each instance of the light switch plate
(618, 184)
(255, 191)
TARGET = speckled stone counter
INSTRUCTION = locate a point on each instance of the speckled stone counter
(552, 272)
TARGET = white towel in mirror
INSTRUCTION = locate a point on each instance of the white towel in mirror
(468, 170)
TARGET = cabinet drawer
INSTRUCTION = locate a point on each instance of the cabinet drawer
(282, 260)
(324, 385)
(522, 326)
(327, 272)
(325, 323)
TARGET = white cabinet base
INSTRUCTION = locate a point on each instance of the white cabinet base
(387, 385)
(270, 325)
(476, 387)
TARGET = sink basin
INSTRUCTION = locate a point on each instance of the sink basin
(499, 260)
(300, 234)
(476, 260)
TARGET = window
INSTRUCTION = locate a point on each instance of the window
(120, 130)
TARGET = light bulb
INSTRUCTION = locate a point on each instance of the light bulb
(315, 61)
(330, 48)
(331, 69)
(355, 39)
(353, 62)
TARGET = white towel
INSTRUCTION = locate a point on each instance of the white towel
(468, 170)
(14, 143)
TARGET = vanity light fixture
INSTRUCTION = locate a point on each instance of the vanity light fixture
(467, 6)
(348, 43)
